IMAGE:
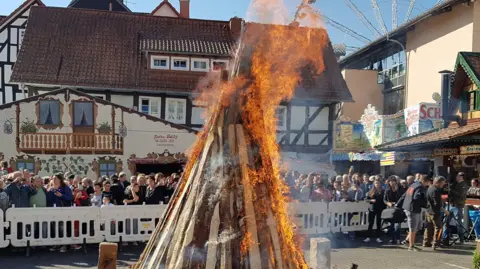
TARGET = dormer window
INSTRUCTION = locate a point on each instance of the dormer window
(160, 62)
(200, 65)
(219, 65)
(180, 63)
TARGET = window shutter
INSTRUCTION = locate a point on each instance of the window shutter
(477, 100)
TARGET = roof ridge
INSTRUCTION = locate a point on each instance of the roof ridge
(148, 15)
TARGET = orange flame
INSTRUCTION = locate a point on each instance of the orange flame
(282, 59)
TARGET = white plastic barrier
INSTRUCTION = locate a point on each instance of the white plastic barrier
(348, 217)
(311, 218)
(54, 226)
(130, 223)
(3, 238)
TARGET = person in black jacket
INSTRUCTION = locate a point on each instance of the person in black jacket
(375, 198)
(412, 202)
(392, 195)
(433, 214)
(154, 194)
(118, 193)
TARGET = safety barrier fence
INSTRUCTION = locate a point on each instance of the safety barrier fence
(23, 227)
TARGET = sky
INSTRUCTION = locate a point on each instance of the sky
(225, 9)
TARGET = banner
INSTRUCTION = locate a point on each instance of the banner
(394, 127)
(423, 118)
(349, 136)
(388, 158)
(445, 152)
(472, 149)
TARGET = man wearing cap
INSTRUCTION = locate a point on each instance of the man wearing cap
(458, 197)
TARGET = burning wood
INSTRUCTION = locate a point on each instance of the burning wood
(230, 210)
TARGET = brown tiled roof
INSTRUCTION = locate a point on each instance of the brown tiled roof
(101, 49)
(433, 137)
(91, 48)
(2, 18)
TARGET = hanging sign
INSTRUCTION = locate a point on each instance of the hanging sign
(388, 158)
(445, 152)
(472, 149)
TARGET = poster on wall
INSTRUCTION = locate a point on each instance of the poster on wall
(394, 127)
(349, 136)
(423, 118)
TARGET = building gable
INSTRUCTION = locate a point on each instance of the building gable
(110, 5)
(165, 9)
(12, 29)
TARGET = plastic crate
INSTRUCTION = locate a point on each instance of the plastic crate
(475, 218)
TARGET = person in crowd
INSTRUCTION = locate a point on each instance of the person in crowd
(4, 169)
(320, 193)
(39, 199)
(19, 192)
(46, 181)
(433, 214)
(107, 190)
(3, 198)
(345, 179)
(118, 192)
(132, 199)
(410, 180)
(402, 188)
(474, 190)
(331, 182)
(122, 177)
(412, 203)
(368, 184)
(417, 177)
(96, 198)
(337, 193)
(60, 195)
(87, 186)
(80, 196)
(154, 193)
(392, 195)
(355, 193)
(306, 189)
(107, 201)
(375, 198)
(142, 183)
(458, 199)
(345, 187)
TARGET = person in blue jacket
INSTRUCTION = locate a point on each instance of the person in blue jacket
(59, 195)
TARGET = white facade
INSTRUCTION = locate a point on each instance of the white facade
(71, 143)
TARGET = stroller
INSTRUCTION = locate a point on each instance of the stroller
(392, 215)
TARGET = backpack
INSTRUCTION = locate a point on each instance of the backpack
(3, 201)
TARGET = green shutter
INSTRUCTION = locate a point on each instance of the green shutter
(477, 100)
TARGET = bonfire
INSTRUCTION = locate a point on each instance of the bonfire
(230, 209)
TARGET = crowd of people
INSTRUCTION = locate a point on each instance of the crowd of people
(24, 189)
(407, 196)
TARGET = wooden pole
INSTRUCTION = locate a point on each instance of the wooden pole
(107, 258)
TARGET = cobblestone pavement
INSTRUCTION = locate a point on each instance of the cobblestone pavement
(368, 256)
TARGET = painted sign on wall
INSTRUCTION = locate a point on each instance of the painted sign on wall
(394, 127)
(372, 124)
(349, 136)
(165, 139)
(472, 149)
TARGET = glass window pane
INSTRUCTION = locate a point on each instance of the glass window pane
(200, 65)
(29, 166)
(83, 113)
(49, 112)
(145, 102)
(103, 166)
(145, 109)
(111, 166)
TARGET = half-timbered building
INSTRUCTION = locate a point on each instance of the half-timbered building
(153, 63)
(12, 30)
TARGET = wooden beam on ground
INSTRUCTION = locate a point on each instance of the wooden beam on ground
(107, 258)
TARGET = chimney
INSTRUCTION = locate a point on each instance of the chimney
(236, 27)
(185, 8)
(446, 81)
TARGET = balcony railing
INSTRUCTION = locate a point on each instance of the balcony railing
(71, 143)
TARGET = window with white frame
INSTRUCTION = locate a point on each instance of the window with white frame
(281, 115)
(150, 106)
(176, 110)
(180, 63)
(160, 62)
(219, 65)
(201, 65)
